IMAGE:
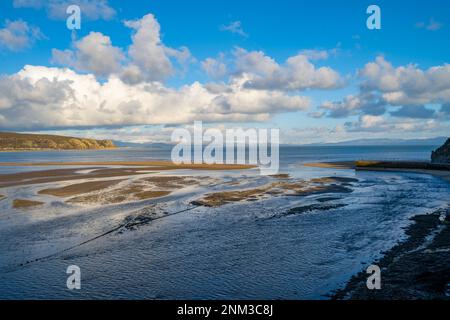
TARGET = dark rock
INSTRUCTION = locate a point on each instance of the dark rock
(442, 155)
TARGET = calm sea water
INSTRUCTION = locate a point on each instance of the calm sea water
(238, 251)
(288, 154)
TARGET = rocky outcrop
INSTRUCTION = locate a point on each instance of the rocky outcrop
(442, 155)
(17, 141)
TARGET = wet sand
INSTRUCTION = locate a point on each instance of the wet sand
(220, 198)
(442, 171)
(57, 175)
(279, 188)
(152, 194)
(136, 190)
(417, 165)
(438, 173)
(172, 181)
(80, 188)
(331, 165)
(281, 176)
(334, 180)
(132, 192)
(161, 165)
(417, 268)
(104, 191)
(107, 191)
(25, 204)
(155, 186)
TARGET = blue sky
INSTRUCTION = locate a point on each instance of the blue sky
(234, 34)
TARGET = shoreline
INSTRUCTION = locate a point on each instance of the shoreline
(441, 171)
(417, 268)
(445, 175)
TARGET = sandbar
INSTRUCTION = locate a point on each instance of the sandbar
(24, 204)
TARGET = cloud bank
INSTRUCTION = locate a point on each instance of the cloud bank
(408, 89)
(99, 84)
(41, 97)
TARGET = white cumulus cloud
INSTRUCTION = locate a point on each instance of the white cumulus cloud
(42, 97)
(93, 53)
(297, 73)
(407, 85)
(147, 58)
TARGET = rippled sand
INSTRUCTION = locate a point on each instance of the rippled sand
(280, 188)
(80, 188)
(138, 232)
(24, 203)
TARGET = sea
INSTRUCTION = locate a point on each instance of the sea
(243, 250)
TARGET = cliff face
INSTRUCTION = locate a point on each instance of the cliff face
(18, 141)
(441, 155)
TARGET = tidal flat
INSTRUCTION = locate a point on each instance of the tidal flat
(149, 231)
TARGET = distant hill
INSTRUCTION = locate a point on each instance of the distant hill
(18, 141)
(359, 142)
(388, 142)
(442, 154)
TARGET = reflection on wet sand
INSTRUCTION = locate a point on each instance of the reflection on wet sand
(279, 188)
(80, 188)
(96, 185)
(24, 204)
(142, 181)
(136, 190)
(135, 168)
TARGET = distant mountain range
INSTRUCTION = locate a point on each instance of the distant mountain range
(387, 142)
(20, 141)
(438, 141)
